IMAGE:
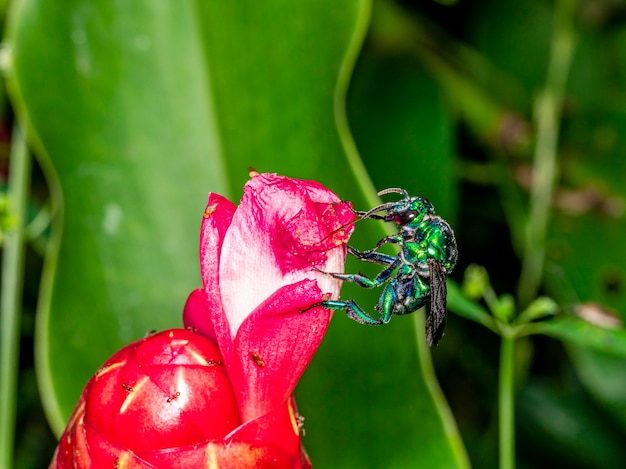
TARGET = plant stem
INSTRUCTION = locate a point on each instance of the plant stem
(547, 113)
(506, 406)
(11, 294)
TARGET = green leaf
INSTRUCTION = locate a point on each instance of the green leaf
(464, 307)
(133, 164)
(141, 108)
(539, 308)
(577, 331)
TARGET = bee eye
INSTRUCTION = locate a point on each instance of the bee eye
(406, 217)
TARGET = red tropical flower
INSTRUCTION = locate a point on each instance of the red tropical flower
(222, 396)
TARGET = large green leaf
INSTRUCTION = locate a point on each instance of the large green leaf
(136, 149)
(142, 108)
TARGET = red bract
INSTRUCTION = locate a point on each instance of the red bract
(260, 264)
(156, 403)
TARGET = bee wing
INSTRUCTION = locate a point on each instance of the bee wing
(436, 320)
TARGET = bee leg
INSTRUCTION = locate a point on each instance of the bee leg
(374, 257)
(365, 282)
(394, 239)
(353, 311)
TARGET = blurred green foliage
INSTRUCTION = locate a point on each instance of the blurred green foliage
(143, 107)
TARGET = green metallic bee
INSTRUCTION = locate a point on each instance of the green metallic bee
(416, 276)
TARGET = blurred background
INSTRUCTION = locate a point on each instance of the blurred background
(134, 112)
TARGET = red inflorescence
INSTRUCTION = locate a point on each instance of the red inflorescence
(152, 404)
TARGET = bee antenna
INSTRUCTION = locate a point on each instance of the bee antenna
(379, 208)
(395, 190)
(387, 205)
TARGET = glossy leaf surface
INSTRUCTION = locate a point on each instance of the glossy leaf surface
(125, 160)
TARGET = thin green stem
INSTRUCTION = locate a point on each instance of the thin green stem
(341, 115)
(547, 112)
(547, 120)
(11, 295)
(506, 402)
(447, 419)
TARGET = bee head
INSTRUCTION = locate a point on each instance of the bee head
(409, 210)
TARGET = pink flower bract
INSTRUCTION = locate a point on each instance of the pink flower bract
(261, 266)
